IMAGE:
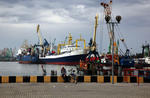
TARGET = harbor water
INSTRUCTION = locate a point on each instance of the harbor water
(16, 69)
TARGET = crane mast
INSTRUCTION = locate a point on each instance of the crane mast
(108, 12)
(93, 58)
(39, 35)
(94, 35)
(107, 7)
(92, 44)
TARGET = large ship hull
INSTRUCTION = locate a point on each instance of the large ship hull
(67, 60)
(54, 59)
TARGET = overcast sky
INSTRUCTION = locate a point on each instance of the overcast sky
(19, 18)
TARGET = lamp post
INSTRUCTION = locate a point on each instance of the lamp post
(112, 23)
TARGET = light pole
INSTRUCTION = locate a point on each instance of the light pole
(112, 23)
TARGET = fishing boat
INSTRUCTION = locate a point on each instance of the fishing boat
(67, 54)
(24, 56)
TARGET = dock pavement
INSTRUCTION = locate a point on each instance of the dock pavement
(71, 90)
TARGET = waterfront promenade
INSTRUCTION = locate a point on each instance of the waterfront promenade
(71, 90)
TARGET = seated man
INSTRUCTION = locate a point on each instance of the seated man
(63, 74)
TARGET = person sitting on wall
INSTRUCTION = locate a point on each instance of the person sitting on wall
(63, 74)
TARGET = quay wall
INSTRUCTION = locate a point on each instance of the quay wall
(59, 79)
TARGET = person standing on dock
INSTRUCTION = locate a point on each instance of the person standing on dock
(44, 70)
(63, 74)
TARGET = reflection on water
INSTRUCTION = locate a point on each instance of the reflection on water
(16, 69)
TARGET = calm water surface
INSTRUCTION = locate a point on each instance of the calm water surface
(16, 69)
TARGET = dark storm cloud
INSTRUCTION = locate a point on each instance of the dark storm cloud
(134, 12)
(23, 10)
(61, 16)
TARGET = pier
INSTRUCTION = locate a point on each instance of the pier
(80, 79)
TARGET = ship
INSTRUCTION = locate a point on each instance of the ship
(67, 53)
(27, 59)
(24, 56)
(70, 55)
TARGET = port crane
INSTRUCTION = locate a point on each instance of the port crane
(42, 43)
(108, 11)
(92, 62)
(39, 35)
(120, 62)
(92, 43)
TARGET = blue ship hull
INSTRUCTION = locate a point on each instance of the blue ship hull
(28, 59)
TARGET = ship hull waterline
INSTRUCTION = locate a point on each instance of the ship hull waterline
(68, 60)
